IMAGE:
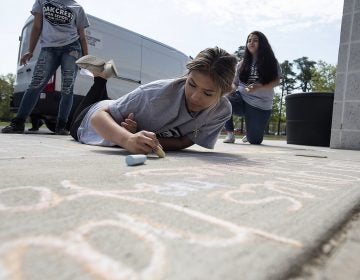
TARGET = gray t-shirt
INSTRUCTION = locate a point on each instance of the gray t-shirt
(160, 107)
(61, 20)
(261, 98)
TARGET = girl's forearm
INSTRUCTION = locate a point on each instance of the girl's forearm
(107, 128)
(83, 42)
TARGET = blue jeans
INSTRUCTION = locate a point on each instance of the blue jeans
(255, 118)
(50, 58)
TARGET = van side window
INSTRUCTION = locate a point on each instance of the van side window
(25, 38)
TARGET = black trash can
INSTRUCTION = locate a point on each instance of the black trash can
(308, 118)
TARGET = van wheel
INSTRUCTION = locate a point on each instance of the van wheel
(50, 124)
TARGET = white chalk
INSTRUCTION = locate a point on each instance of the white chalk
(135, 159)
(159, 151)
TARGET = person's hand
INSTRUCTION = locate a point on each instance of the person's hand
(252, 87)
(142, 142)
(129, 123)
(241, 88)
(25, 58)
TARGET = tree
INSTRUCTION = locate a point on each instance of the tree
(324, 77)
(287, 85)
(240, 52)
(306, 68)
(6, 91)
(288, 81)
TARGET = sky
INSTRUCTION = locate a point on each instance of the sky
(294, 28)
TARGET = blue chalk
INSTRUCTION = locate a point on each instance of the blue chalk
(135, 159)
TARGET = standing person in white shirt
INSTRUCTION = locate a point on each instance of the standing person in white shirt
(60, 26)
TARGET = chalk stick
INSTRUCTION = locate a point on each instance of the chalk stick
(160, 152)
(132, 160)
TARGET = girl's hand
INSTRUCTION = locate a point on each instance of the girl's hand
(241, 88)
(252, 87)
(142, 142)
(25, 58)
(129, 123)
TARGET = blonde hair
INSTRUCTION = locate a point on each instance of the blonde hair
(218, 64)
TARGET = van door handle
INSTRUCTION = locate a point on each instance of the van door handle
(28, 70)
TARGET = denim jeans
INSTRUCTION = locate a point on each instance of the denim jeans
(50, 58)
(255, 118)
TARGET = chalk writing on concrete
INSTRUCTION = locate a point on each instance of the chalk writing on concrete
(75, 244)
(287, 190)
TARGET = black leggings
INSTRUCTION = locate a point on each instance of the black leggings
(96, 93)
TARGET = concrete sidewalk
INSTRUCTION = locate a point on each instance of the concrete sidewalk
(71, 211)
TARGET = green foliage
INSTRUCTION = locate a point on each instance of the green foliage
(6, 91)
(324, 77)
(288, 81)
(239, 123)
(240, 52)
(278, 109)
(306, 69)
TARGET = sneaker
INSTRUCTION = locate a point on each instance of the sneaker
(92, 63)
(16, 126)
(36, 126)
(110, 70)
(62, 131)
(230, 138)
(61, 128)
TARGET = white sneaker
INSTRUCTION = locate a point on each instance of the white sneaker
(92, 63)
(90, 60)
(109, 71)
(230, 138)
(244, 139)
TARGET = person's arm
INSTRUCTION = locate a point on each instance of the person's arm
(142, 142)
(168, 144)
(34, 37)
(269, 86)
(83, 42)
(174, 144)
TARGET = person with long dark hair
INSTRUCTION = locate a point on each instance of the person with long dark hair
(256, 76)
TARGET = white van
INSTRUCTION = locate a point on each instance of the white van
(139, 60)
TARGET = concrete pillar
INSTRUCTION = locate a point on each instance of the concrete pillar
(345, 129)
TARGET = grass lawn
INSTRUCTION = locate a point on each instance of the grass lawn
(275, 137)
(3, 124)
(266, 137)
